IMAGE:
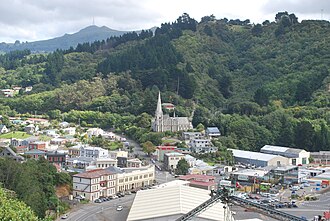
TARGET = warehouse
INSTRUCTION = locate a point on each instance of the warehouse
(259, 159)
(169, 203)
(296, 156)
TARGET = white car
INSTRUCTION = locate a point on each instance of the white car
(65, 216)
(119, 208)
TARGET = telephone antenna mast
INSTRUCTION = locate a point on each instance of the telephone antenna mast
(93, 21)
(322, 14)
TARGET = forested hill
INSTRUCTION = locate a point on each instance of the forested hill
(89, 34)
(261, 84)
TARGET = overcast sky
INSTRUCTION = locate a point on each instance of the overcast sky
(31, 20)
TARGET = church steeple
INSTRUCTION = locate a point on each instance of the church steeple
(159, 111)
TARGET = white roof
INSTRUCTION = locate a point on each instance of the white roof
(275, 148)
(172, 201)
(253, 155)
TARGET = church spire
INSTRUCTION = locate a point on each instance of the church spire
(159, 111)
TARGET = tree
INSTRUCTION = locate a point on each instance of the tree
(12, 209)
(182, 167)
(148, 147)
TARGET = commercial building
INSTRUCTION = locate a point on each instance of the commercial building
(133, 178)
(162, 150)
(171, 202)
(171, 160)
(296, 156)
(321, 157)
(94, 184)
(200, 181)
(259, 159)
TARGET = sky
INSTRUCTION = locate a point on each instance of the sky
(31, 20)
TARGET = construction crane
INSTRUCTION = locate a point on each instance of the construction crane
(223, 195)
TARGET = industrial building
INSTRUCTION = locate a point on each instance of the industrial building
(259, 159)
(171, 202)
(296, 156)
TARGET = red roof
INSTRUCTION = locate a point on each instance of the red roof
(197, 177)
(166, 147)
(202, 183)
(93, 173)
(200, 180)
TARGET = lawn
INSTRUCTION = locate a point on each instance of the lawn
(168, 141)
(15, 134)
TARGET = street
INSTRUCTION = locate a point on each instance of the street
(102, 211)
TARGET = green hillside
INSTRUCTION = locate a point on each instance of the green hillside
(260, 84)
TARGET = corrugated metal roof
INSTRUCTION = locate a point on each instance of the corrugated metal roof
(253, 155)
(274, 148)
(172, 200)
(213, 130)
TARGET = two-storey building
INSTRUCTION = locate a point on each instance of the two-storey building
(94, 184)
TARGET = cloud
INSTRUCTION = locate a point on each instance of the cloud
(30, 20)
(306, 9)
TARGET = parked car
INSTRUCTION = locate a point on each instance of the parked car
(119, 208)
(97, 201)
(306, 184)
(128, 193)
(65, 216)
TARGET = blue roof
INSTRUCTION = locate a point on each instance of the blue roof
(213, 129)
(35, 151)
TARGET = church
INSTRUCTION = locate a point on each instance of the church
(163, 122)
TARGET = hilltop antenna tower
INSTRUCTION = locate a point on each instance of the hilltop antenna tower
(93, 21)
(322, 14)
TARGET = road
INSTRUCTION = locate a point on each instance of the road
(102, 211)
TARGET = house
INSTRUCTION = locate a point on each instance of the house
(202, 146)
(56, 157)
(94, 132)
(31, 129)
(200, 181)
(37, 145)
(296, 156)
(187, 136)
(94, 184)
(70, 131)
(171, 160)
(3, 129)
(51, 133)
(8, 152)
(64, 124)
(38, 121)
(74, 151)
(95, 152)
(58, 141)
(212, 132)
(256, 159)
(35, 153)
(161, 150)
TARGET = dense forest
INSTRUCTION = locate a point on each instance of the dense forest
(260, 84)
